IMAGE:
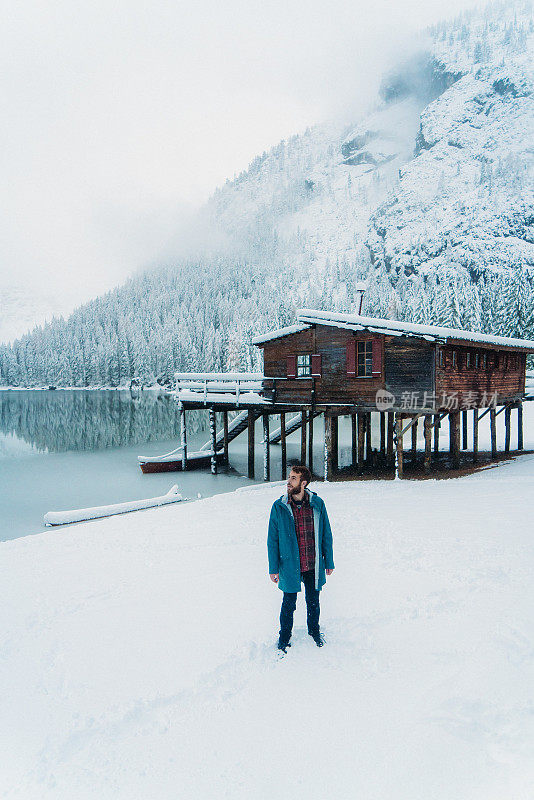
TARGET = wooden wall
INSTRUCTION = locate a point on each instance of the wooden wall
(275, 355)
(501, 377)
(409, 367)
(334, 385)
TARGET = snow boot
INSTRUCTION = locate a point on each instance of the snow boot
(283, 645)
(317, 637)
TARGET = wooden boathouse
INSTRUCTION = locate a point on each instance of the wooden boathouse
(337, 364)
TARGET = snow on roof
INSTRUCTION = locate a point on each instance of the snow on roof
(393, 327)
(266, 337)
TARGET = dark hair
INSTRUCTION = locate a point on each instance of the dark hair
(302, 469)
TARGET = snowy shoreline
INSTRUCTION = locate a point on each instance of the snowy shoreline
(139, 652)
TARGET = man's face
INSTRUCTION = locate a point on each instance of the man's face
(294, 483)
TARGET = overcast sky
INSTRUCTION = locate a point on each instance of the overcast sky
(119, 117)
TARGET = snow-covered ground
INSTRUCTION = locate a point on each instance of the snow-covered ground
(138, 653)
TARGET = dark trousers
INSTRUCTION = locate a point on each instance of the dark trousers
(289, 604)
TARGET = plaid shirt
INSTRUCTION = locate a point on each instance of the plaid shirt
(305, 534)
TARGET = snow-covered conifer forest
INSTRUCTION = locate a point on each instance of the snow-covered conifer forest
(428, 196)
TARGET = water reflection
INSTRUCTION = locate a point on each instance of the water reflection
(58, 421)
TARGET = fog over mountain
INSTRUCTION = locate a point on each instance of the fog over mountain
(427, 195)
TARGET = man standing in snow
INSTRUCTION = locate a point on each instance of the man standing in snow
(299, 546)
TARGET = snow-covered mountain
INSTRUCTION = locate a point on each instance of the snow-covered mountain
(428, 196)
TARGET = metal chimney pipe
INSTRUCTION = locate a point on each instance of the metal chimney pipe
(360, 289)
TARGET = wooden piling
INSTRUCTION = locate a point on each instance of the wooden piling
(464, 429)
(183, 437)
(250, 427)
(225, 437)
(354, 438)
(399, 467)
(303, 438)
(266, 450)
(507, 426)
(368, 442)
(335, 443)
(454, 438)
(427, 430)
(475, 435)
(283, 444)
(493, 432)
(310, 440)
(361, 438)
(391, 424)
(520, 426)
(213, 436)
(414, 443)
(437, 426)
(328, 466)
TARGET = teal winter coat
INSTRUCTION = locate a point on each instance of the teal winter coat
(282, 544)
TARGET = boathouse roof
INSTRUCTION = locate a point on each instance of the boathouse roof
(436, 333)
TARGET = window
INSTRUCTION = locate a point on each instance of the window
(454, 359)
(441, 357)
(468, 361)
(303, 366)
(484, 360)
(477, 360)
(364, 358)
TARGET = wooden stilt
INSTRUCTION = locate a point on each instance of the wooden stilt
(507, 426)
(283, 444)
(183, 437)
(368, 442)
(464, 429)
(454, 438)
(250, 426)
(437, 426)
(391, 424)
(493, 432)
(427, 429)
(361, 439)
(475, 435)
(213, 435)
(335, 444)
(520, 426)
(328, 449)
(225, 437)
(382, 436)
(399, 471)
(266, 452)
(303, 437)
(354, 439)
(310, 440)
(414, 443)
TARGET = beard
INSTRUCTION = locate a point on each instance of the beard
(295, 490)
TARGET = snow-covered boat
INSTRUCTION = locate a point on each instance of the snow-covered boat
(82, 514)
(172, 462)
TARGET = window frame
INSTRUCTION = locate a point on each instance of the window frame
(307, 365)
(367, 358)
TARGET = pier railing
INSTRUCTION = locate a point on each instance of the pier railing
(231, 384)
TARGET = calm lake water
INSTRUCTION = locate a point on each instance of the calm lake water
(70, 449)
